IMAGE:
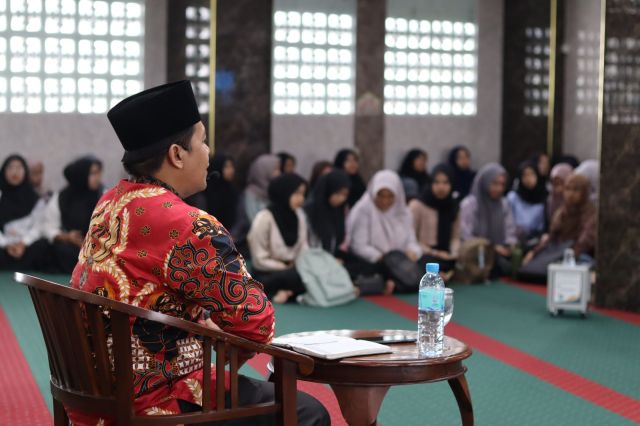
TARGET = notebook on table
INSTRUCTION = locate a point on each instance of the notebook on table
(328, 346)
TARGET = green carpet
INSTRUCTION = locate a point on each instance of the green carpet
(599, 348)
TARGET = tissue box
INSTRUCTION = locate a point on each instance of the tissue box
(568, 288)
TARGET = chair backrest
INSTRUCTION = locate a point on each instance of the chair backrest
(83, 370)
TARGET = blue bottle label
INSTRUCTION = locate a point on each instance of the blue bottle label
(431, 299)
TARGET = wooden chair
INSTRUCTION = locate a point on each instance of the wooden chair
(82, 378)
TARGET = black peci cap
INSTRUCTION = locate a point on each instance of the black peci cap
(145, 121)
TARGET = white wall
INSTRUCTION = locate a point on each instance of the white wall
(56, 139)
(313, 138)
(481, 133)
(580, 131)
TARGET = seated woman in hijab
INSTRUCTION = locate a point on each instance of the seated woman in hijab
(460, 162)
(348, 160)
(573, 226)
(221, 196)
(277, 236)
(413, 172)
(485, 213)
(254, 198)
(21, 244)
(380, 223)
(542, 164)
(326, 212)
(528, 204)
(319, 168)
(261, 172)
(287, 162)
(591, 170)
(559, 175)
(436, 220)
(68, 213)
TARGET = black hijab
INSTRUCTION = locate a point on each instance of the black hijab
(77, 201)
(462, 179)
(408, 171)
(328, 222)
(221, 195)
(537, 194)
(447, 208)
(280, 191)
(358, 187)
(571, 160)
(284, 156)
(19, 200)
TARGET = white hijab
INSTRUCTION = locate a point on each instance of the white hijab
(390, 230)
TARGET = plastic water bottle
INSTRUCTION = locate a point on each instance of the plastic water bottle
(431, 313)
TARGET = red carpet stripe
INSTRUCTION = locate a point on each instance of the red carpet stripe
(321, 392)
(572, 383)
(630, 317)
(21, 402)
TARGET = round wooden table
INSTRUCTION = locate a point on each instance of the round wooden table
(361, 383)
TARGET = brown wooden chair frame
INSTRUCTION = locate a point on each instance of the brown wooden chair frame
(82, 377)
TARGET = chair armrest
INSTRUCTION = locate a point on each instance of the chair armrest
(305, 363)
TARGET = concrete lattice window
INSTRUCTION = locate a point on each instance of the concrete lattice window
(313, 63)
(536, 64)
(65, 56)
(430, 67)
(198, 33)
(587, 63)
(622, 81)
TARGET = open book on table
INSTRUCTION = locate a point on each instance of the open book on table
(328, 346)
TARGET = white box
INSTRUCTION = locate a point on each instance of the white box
(568, 288)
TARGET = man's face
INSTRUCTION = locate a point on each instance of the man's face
(196, 162)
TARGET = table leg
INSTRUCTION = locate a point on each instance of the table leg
(460, 389)
(360, 404)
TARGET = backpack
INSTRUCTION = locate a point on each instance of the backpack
(327, 281)
(475, 261)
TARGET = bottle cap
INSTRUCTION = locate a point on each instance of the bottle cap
(433, 268)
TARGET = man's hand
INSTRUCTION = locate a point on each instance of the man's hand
(16, 250)
(243, 356)
(210, 324)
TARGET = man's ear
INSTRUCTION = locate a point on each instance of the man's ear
(175, 156)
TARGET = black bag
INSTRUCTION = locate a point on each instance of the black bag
(405, 272)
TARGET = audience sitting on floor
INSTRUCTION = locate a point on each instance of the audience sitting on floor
(368, 231)
(277, 236)
(573, 226)
(349, 161)
(22, 246)
(486, 214)
(527, 201)
(436, 219)
(413, 172)
(463, 174)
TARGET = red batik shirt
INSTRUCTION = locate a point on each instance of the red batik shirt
(148, 248)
